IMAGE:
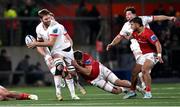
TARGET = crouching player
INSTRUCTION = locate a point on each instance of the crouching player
(97, 74)
(7, 95)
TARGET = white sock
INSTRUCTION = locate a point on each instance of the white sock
(57, 82)
(124, 89)
(143, 85)
(70, 84)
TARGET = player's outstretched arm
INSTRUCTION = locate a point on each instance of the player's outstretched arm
(163, 17)
(115, 41)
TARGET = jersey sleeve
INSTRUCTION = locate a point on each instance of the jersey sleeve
(38, 33)
(87, 59)
(55, 31)
(152, 38)
(64, 30)
(147, 19)
(126, 30)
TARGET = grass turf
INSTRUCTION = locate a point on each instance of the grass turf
(163, 95)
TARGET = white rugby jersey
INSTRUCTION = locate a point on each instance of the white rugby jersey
(127, 30)
(58, 30)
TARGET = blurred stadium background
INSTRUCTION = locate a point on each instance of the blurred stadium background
(92, 24)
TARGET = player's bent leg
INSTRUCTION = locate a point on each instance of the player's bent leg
(116, 81)
(70, 84)
(148, 65)
(110, 76)
(78, 85)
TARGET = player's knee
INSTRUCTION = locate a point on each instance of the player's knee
(144, 72)
(71, 68)
(59, 68)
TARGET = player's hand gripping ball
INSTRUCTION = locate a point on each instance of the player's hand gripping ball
(29, 39)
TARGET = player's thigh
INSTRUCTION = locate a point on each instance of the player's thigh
(136, 69)
(107, 74)
(148, 65)
(104, 85)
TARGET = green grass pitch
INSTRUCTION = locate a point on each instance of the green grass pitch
(163, 95)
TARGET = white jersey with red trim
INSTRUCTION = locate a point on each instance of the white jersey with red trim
(127, 30)
(58, 30)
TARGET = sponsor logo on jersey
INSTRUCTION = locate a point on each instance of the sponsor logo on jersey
(55, 30)
(153, 38)
(87, 62)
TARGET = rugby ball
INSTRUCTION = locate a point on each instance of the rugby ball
(29, 39)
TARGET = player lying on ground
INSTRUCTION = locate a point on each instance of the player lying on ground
(97, 74)
(7, 95)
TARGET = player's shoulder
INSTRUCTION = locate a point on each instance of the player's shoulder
(39, 26)
(148, 31)
(86, 55)
(55, 24)
(127, 23)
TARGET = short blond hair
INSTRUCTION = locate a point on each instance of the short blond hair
(43, 12)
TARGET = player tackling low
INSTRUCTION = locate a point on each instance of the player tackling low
(97, 74)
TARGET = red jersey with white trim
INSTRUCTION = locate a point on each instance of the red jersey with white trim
(89, 61)
(146, 40)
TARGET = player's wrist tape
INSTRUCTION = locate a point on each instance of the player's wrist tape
(159, 55)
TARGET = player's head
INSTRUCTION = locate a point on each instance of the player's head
(78, 55)
(130, 13)
(45, 16)
(136, 23)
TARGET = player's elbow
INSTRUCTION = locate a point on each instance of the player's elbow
(50, 43)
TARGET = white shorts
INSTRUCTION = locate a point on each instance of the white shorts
(150, 56)
(105, 79)
(68, 56)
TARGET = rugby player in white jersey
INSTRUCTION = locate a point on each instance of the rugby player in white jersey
(126, 32)
(52, 34)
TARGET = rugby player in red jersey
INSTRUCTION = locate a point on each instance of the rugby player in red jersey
(151, 53)
(7, 95)
(97, 74)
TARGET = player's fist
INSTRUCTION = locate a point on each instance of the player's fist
(173, 18)
(109, 46)
(32, 44)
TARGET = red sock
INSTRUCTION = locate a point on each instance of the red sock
(148, 88)
(23, 96)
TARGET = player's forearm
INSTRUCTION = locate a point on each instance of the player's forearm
(161, 18)
(44, 44)
(158, 47)
(83, 70)
(117, 39)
